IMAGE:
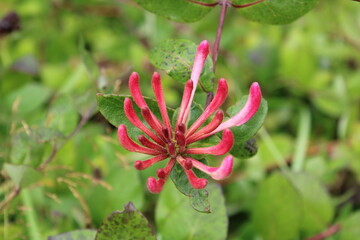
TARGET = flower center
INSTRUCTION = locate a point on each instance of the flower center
(177, 144)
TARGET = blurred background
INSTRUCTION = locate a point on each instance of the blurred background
(61, 165)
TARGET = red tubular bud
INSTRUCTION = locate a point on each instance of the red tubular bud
(159, 94)
(141, 165)
(130, 145)
(133, 118)
(147, 143)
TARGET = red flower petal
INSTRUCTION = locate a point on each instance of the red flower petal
(247, 112)
(159, 94)
(199, 61)
(221, 148)
(217, 173)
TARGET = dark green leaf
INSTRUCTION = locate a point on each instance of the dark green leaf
(277, 209)
(277, 11)
(127, 224)
(22, 175)
(176, 220)
(63, 115)
(245, 149)
(75, 235)
(179, 10)
(90, 64)
(176, 57)
(318, 210)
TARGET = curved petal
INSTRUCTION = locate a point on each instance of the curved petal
(199, 61)
(217, 173)
(247, 112)
(221, 148)
(155, 186)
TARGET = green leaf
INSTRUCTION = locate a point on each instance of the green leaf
(28, 145)
(245, 149)
(276, 11)
(350, 228)
(179, 10)
(277, 209)
(176, 57)
(62, 115)
(121, 193)
(127, 224)
(29, 97)
(21, 175)
(318, 210)
(176, 220)
(246, 131)
(90, 64)
(112, 108)
(86, 234)
(198, 197)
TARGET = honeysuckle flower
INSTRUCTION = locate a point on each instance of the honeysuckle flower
(163, 141)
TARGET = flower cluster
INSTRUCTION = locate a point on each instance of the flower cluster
(163, 141)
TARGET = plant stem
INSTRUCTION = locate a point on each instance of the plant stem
(275, 152)
(224, 5)
(31, 221)
(302, 140)
(327, 233)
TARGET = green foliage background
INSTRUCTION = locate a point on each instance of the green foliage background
(304, 178)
